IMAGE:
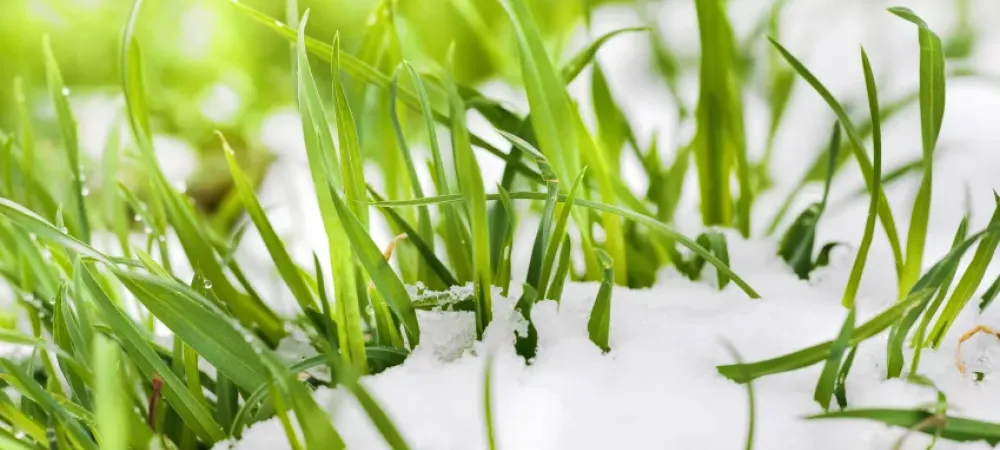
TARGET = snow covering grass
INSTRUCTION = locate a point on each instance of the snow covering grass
(663, 256)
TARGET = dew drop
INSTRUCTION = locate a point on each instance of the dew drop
(64, 230)
(278, 23)
(137, 218)
(162, 238)
(65, 92)
(147, 230)
(208, 284)
(85, 191)
(19, 435)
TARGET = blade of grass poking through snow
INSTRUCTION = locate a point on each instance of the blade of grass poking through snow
(953, 428)
(112, 407)
(470, 182)
(917, 342)
(812, 355)
(932, 98)
(796, 245)
(562, 271)
(276, 249)
(378, 269)
(558, 234)
(719, 139)
(826, 385)
(858, 148)
(641, 219)
(67, 126)
(751, 402)
(599, 324)
(858, 268)
(968, 283)
(65, 423)
(488, 403)
(840, 384)
(322, 155)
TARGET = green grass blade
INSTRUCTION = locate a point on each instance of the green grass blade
(808, 356)
(932, 99)
(27, 386)
(719, 139)
(425, 249)
(968, 283)
(361, 70)
(25, 134)
(840, 385)
(491, 439)
(599, 324)
(112, 407)
(858, 148)
(918, 342)
(561, 274)
(382, 275)
(990, 294)
(957, 429)
(322, 155)
(350, 150)
(140, 351)
(67, 126)
(751, 402)
(424, 226)
(857, 269)
(580, 61)
(642, 219)
(502, 277)
(828, 379)
(194, 319)
(558, 234)
(289, 272)
(470, 181)
(551, 117)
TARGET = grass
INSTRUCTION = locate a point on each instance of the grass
(92, 311)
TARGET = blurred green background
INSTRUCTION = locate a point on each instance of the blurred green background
(208, 66)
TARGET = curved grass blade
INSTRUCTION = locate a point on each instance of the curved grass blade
(378, 269)
(562, 271)
(642, 219)
(28, 387)
(840, 385)
(502, 277)
(289, 272)
(414, 237)
(751, 403)
(858, 147)
(470, 181)
(826, 385)
(488, 403)
(953, 428)
(917, 342)
(599, 324)
(969, 281)
(812, 355)
(932, 99)
(576, 65)
(558, 234)
(67, 126)
(857, 269)
(138, 348)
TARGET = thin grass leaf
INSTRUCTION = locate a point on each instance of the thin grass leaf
(969, 281)
(953, 428)
(858, 148)
(322, 155)
(502, 277)
(289, 272)
(112, 409)
(361, 70)
(491, 439)
(599, 324)
(857, 269)
(437, 267)
(138, 348)
(574, 66)
(990, 295)
(719, 138)
(840, 385)
(470, 181)
(917, 342)
(25, 384)
(67, 126)
(826, 385)
(932, 99)
(751, 403)
(378, 269)
(25, 135)
(561, 274)
(816, 353)
(642, 219)
(558, 234)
